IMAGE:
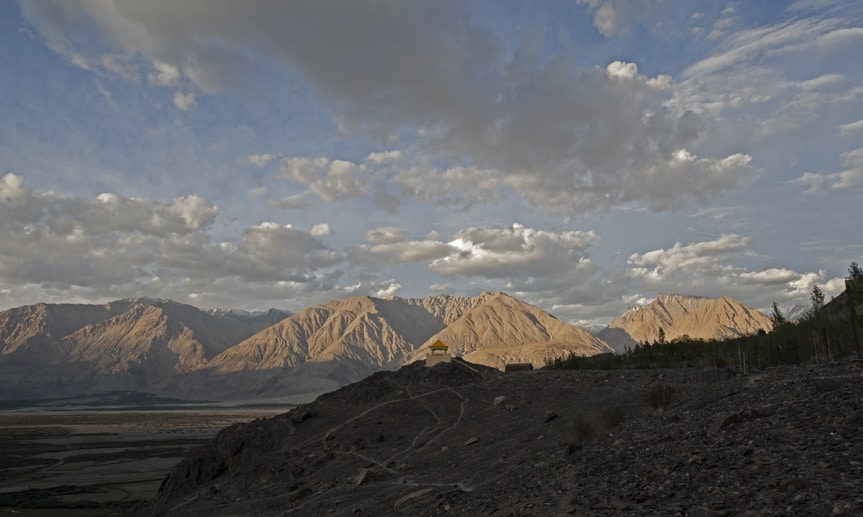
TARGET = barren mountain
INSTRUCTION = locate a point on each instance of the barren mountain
(324, 347)
(684, 316)
(177, 350)
(60, 350)
(505, 330)
(33, 330)
(256, 321)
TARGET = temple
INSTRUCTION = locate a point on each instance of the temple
(438, 354)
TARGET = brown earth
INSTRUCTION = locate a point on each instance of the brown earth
(450, 440)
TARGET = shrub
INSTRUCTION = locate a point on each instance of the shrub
(611, 417)
(659, 395)
(582, 428)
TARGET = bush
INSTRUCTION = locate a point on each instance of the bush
(612, 417)
(582, 428)
(659, 395)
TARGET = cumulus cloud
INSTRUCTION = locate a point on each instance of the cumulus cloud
(56, 214)
(570, 140)
(383, 157)
(330, 180)
(717, 266)
(321, 229)
(112, 246)
(695, 258)
(513, 251)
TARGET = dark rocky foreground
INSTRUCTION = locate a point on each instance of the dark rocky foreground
(450, 440)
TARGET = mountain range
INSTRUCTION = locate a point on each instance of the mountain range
(177, 350)
(671, 317)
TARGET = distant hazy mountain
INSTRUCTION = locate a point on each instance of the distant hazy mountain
(679, 316)
(796, 312)
(257, 320)
(64, 349)
(177, 350)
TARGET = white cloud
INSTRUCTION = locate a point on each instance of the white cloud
(330, 180)
(399, 252)
(514, 251)
(385, 235)
(695, 258)
(613, 17)
(455, 186)
(163, 74)
(621, 70)
(849, 177)
(185, 101)
(320, 230)
(343, 180)
(12, 189)
(385, 157)
(709, 267)
(114, 247)
(390, 288)
(565, 139)
(261, 160)
(851, 127)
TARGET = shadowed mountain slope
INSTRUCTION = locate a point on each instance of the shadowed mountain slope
(63, 350)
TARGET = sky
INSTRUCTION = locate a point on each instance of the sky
(582, 155)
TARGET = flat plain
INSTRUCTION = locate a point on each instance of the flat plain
(100, 461)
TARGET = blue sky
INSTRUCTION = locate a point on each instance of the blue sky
(582, 155)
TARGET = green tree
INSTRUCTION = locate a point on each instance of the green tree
(777, 317)
(854, 295)
(819, 317)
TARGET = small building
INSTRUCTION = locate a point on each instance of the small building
(438, 354)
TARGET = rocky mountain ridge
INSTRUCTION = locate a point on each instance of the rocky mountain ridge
(177, 350)
(674, 316)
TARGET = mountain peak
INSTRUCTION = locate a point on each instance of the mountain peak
(676, 316)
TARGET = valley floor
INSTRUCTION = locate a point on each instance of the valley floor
(68, 463)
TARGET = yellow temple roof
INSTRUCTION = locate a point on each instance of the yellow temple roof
(438, 345)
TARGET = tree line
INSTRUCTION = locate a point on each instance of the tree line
(826, 332)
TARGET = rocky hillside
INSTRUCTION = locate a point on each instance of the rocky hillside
(505, 330)
(177, 350)
(678, 316)
(325, 347)
(67, 350)
(465, 440)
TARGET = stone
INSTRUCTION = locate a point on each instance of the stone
(499, 400)
(411, 497)
(549, 416)
(363, 476)
(722, 421)
(472, 440)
